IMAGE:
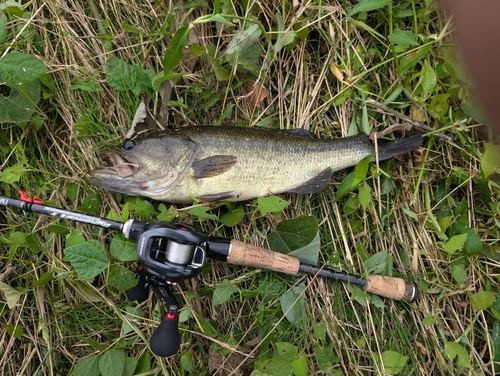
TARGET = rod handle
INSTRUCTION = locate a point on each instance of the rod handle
(393, 288)
(250, 255)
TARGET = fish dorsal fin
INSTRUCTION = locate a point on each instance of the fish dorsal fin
(299, 132)
(213, 166)
(316, 184)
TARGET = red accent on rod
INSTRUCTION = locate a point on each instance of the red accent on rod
(26, 198)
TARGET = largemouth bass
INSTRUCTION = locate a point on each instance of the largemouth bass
(233, 164)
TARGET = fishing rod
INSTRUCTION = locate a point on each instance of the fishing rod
(171, 252)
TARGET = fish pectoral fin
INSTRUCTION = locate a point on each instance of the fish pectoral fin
(213, 166)
(316, 184)
(218, 196)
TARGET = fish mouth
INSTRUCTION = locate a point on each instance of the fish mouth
(115, 164)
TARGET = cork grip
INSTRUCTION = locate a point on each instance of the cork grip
(393, 288)
(249, 255)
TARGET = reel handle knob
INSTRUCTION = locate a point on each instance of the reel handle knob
(138, 293)
(166, 339)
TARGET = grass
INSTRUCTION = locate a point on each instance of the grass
(435, 213)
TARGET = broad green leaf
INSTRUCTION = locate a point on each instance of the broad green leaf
(15, 331)
(410, 60)
(287, 350)
(456, 350)
(144, 364)
(298, 237)
(378, 263)
(20, 105)
(3, 26)
(223, 292)
(13, 173)
(455, 243)
(271, 204)
(123, 249)
(428, 81)
(365, 196)
(112, 362)
(483, 300)
(133, 314)
(458, 272)
(144, 209)
(350, 182)
(319, 331)
(88, 366)
(233, 217)
(20, 68)
(187, 362)
(167, 215)
(243, 39)
(495, 338)
(439, 105)
(11, 294)
(473, 245)
(44, 279)
(173, 53)
(368, 5)
(144, 81)
(130, 366)
(201, 212)
(300, 367)
(490, 160)
(294, 307)
(393, 362)
(121, 278)
(75, 237)
(403, 38)
(89, 258)
(120, 75)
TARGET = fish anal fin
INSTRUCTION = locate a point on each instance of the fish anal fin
(213, 166)
(218, 197)
(316, 184)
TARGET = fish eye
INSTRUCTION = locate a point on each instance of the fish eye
(128, 144)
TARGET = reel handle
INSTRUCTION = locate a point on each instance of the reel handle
(166, 339)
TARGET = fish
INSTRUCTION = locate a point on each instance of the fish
(216, 163)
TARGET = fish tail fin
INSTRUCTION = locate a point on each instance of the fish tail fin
(387, 150)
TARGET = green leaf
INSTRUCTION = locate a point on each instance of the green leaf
(243, 39)
(300, 367)
(88, 366)
(298, 237)
(144, 209)
(13, 173)
(3, 26)
(130, 366)
(378, 263)
(213, 18)
(393, 362)
(483, 300)
(112, 362)
(89, 258)
(120, 75)
(121, 278)
(410, 60)
(20, 105)
(403, 38)
(173, 53)
(455, 243)
(15, 331)
(11, 294)
(458, 272)
(223, 292)
(319, 331)
(233, 217)
(123, 249)
(456, 350)
(187, 362)
(201, 212)
(294, 307)
(287, 350)
(133, 314)
(75, 237)
(20, 68)
(368, 5)
(365, 196)
(428, 81)
(490, 160)
(350, 182)
(271, 204)
(44, 279)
